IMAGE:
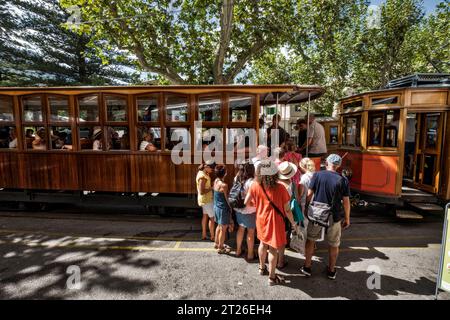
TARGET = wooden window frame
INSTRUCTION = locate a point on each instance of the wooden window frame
(253, 114)
(15, 123)
(344, 132)
(168, 123)
(210, 124)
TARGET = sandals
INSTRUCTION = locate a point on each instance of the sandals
(277, 280)
(224, 251)
(263, 271)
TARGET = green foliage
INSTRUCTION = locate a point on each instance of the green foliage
(337, 48)
(35, 49)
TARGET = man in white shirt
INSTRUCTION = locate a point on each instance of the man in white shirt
(317, 144)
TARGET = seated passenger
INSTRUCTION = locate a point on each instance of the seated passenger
(147, 142)
(12, 139)
(97, 137)
(39, 142)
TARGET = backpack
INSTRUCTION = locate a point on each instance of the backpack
(235, 198)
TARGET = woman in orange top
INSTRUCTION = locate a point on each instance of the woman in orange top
(270, 224)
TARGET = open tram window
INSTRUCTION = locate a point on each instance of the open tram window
(88, 108)
(376, 130)
(91, 138)
(351, 134)
(148, 110)
(209, 138)
(36, 138)
(175, 136)
(6, 109)
(118, 138)
(59, 109)
(209, 108)
(240, 108)
(8, 137)
(149, 139)
(241, 139)
(116, 108)
(176, 108)
(32, 109)
(61, 138)
(392, 122)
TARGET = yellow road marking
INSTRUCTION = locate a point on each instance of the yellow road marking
(177, 245)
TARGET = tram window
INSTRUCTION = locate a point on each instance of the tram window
(209, 108)
(176, 108)
(32, 109)
(88, 108)
(376, 130)
(333, 135)
(6, 109)
(429, 169)
(391, 129)
(174, 136)
(8, 138)
(59, 109)
(118, 138)
(353, 104)
(241, 138)
(208, 136)
(61, 138)
(116, 108)
(91, 138)
(384, 101)
(240, 108)
(383, 129)
(432, 126)
(351, 133)
(148, 108)
(149, 139)
(35, 138)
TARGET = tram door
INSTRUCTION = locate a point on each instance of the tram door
(427, 162)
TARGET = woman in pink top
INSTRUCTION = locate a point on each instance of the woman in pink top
(293, 157)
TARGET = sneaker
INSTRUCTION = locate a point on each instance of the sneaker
(331, 274)
(306, 271)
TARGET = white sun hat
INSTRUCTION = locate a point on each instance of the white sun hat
(286, 170)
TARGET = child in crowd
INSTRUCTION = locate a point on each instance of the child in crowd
(222, 209)
(205, 197)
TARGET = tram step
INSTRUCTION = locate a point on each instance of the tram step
(408, 214)
(428, 207)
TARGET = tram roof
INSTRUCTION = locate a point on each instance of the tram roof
(287, 93)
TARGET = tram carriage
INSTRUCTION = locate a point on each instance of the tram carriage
(72, 121)
(396, 142)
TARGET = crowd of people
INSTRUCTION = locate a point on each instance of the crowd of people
(260, 203)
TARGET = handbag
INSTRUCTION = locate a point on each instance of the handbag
(295, 208)
(298, 241)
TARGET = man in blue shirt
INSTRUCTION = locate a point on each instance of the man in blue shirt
(328, 187)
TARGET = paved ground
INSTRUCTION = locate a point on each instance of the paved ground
(125, 254)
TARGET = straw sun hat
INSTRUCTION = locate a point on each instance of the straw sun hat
(286, 170)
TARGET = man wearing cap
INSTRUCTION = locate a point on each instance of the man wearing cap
(328, 187)
(317, 144)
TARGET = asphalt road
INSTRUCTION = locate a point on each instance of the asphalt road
(126, 254)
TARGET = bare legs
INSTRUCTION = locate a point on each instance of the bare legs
(204, 223)
(250, 242)
(212, 232)
(239, 239)
(281, 257)
(221, 235)
(333, 253)
(273, 257)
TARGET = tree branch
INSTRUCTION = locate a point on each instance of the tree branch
(244, 58)
(226, 23)
(138, 49)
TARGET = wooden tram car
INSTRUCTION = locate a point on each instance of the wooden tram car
(396, 142)
(72, 121)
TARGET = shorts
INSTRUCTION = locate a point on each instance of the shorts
(333, 234)
(208, 209)
(246, 220)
